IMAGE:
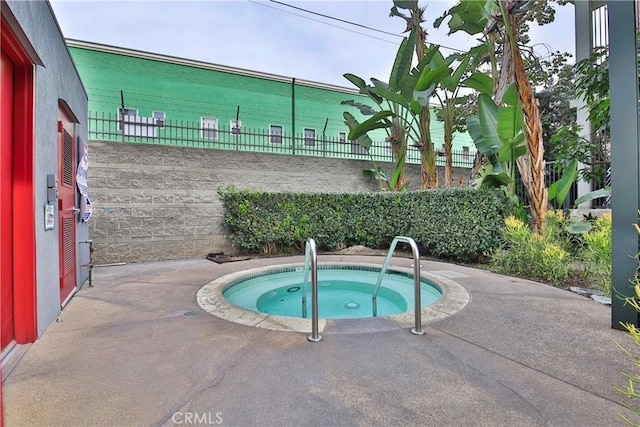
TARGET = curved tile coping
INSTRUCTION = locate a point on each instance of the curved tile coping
(210, 298)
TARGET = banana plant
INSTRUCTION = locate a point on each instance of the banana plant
(448, 94)
(497, 133)
(499, 19)
(413, 16)
(559, 190)
(407, 96)
(358, 132)
(395, 110)
(582, 226)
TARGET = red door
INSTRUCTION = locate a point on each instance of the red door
(6, 196)
(66, 206)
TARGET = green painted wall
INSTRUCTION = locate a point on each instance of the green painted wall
(185, 93)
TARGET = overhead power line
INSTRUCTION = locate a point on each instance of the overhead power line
(336, 19)
(344, 21)
(324, 22)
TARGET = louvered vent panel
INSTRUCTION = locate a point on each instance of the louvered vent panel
(67, 158)
(68, 245)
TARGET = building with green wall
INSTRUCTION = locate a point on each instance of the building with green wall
(146, 97)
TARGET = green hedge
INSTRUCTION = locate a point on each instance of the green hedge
(460, 223)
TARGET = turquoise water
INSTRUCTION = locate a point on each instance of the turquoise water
(342, 293)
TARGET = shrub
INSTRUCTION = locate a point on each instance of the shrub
(460, 223)
(596, 253)
(630, 389)
(527, 254)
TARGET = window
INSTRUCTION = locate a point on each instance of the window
(342, 137)
(236, 127)
(158, 118)
(208, 128)
(309, 137)
(126, 116)
(128, 112)
(465, 153)
(275, 134)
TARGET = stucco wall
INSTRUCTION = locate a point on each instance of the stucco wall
(57, 80)
(188, 91)
(153, 202)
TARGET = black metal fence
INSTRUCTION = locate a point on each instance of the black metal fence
(552, 174)
(149, 130)
(604, 174)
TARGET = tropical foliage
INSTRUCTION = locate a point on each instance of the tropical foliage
(396, 112)
(497, 134)
(501, 21)
(597, 253)
(414, 20)
(451, 100)
(630, 389)
(533, 255)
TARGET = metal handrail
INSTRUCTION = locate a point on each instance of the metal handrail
(311, 263)
(307, 261)
(417, 329)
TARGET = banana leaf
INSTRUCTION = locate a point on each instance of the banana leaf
(510, 122)
(603, 192)
(430, 76)
(402, 63)
(512, 149)
(468, 16)
(391, 96)
(452, 81)
(397, 172)
(579, 227)
(362, 86)
(378, 84)
(376, 173)
(365, 109)
(490, 178)
(377, 121)
(480, 82)
(510, 96)
(351, 122)
(488, 117)
(357, 81)
(558, 190)
(422, 97)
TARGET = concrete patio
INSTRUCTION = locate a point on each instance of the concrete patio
(136, 349)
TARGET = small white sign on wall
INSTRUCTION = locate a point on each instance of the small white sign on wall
(49, 217)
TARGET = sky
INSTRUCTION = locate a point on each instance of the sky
(266, 36)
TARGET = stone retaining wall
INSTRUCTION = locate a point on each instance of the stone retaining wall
(160, 202)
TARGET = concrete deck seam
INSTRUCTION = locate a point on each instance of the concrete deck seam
(134, 322)
(213, 380)
(142, 282)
